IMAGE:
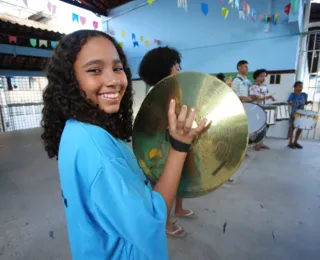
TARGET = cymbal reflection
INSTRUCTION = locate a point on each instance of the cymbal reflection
(216, 154)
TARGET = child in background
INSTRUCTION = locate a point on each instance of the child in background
(297, 100)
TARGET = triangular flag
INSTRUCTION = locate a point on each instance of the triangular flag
(141, 38)
(53, 44)
(242, 15)
(253, 14)
(295, 5)
(123, 33)
(49, 6)
(287, 9)
(12, 39)
(155, 41)
(225, 12)
(133, 36)
(135, 44)
(261, 17)
(54, 8)
(183, 4)
(248, 9)
(276, 16)
(121, 44)
(83, 20)
(244, 3)
(33, 42)
(43, 43)
(204, 8)
(237, 4)
(150, 2)
(95, 25)
(147, 43)
(231, 2)
(75, 17)
(25, 2)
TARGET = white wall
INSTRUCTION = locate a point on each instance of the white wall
(140, 89)
(281, 93)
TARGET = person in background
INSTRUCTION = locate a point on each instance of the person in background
(260, 90)
(241, 83)
(111, 210)
(156, 65)
(222, 77)
(297, 100)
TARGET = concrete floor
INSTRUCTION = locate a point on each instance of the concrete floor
(271, 210)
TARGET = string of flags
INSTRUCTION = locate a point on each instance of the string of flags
(13, 39)
(78, 18)
(245, 10)
(137, 42)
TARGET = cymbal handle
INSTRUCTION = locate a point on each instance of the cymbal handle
(177, 145)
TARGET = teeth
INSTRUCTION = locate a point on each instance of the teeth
(111, 95)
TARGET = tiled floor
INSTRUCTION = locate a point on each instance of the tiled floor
(271, 210)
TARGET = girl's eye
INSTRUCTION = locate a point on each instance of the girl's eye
(118, 69)
(94, 71)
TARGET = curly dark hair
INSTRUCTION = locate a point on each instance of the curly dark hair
(257, 73)
(157, 64)
(63, 98)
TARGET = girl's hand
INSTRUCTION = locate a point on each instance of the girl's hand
(180, 128)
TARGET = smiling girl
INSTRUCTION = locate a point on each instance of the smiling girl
(111, 210)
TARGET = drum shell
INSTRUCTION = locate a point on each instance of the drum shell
(305, 119)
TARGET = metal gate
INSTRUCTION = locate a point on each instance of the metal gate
(21, 102)
(310, 76)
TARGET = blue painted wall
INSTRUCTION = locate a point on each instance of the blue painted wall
(209, 43)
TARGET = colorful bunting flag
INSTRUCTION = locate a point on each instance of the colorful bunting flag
(95, 25)
(242, 15)
(253, 14)
(75, 17)
(123, 33)
(25, 2)
(54, 9)
(141, 38)
(43, 43)
(204, 8)
(295, 5)
(225, 12)
(244, 3)
(49, 6)
(248, 9)
(33, 42)
(147, 43)
(287, 9)
(133, 36)
(150, 2)
(121, 44)
(53, 44)
(231, 2)
(12, 39)
(183, 4)
(83, 20)
(135, 44)
(261, 17)
(237, 4)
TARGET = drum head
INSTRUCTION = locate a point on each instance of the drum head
(257, 117)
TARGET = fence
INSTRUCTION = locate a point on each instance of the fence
(21, 102)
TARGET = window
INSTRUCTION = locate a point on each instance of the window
(275, 79)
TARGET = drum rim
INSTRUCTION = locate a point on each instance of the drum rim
(265, 123)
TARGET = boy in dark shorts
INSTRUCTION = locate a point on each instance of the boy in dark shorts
(297, 100)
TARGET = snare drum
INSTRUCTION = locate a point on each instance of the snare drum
(257, 119)
(271, 113)
(282, 111)
(305, 119)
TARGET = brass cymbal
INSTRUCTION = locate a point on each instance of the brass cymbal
(216, 154)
